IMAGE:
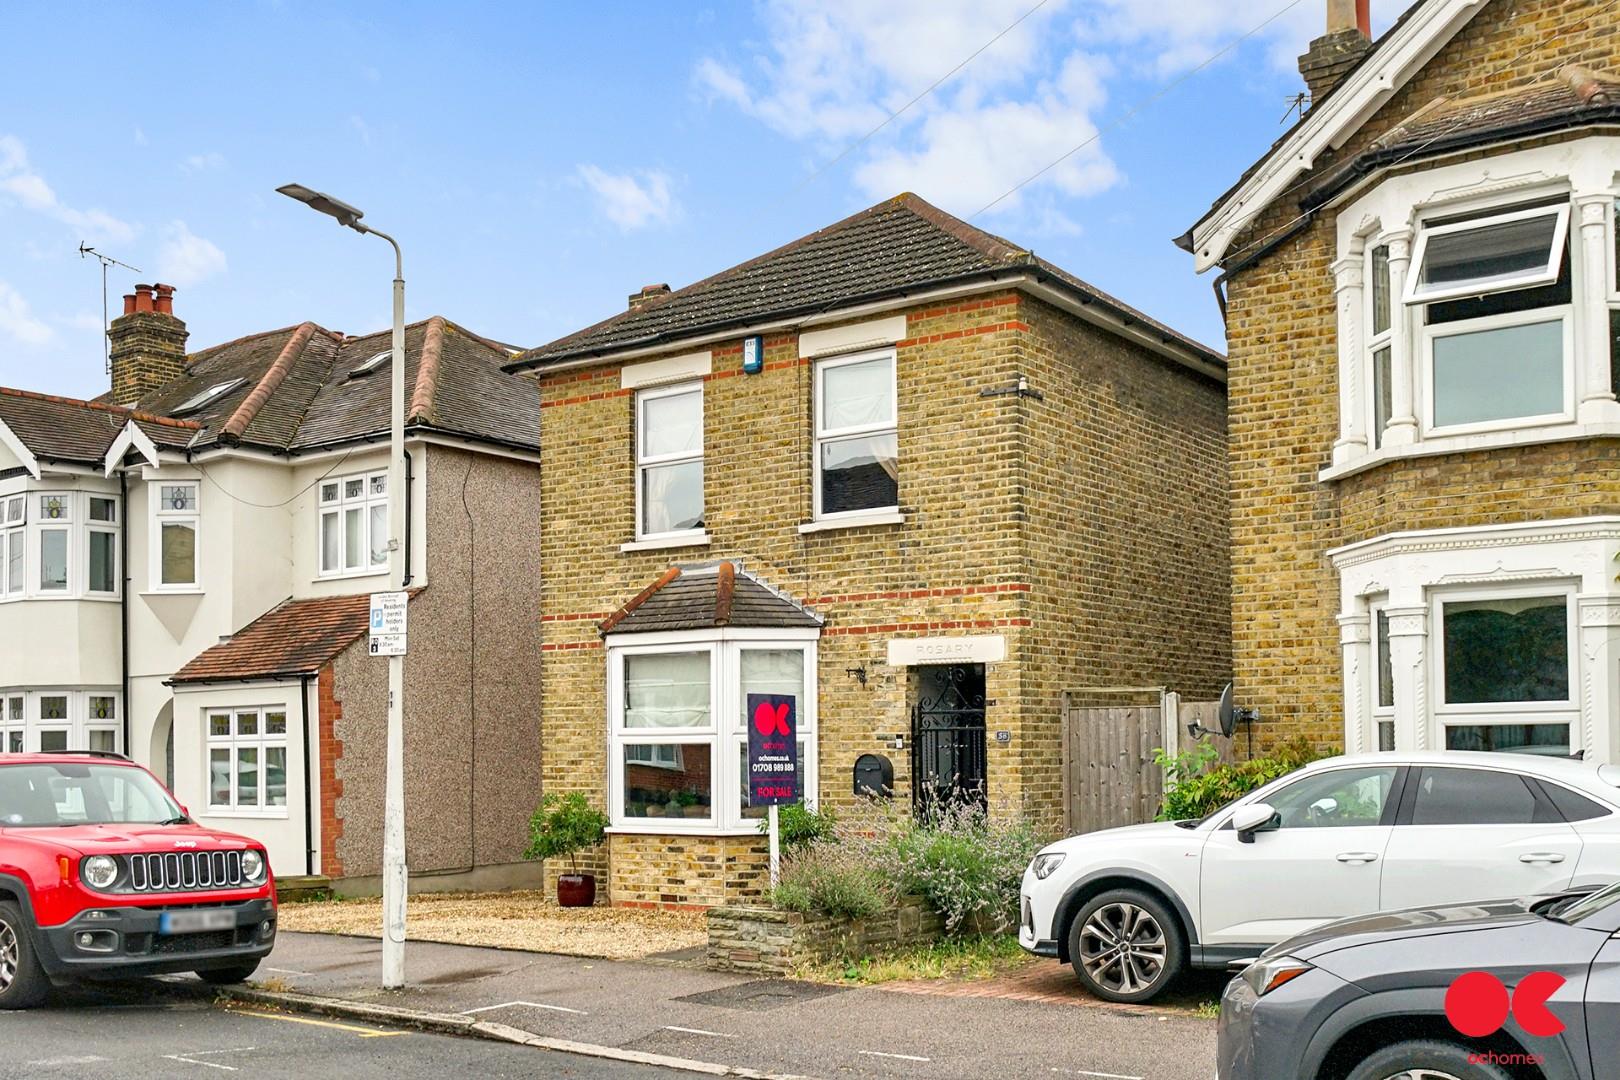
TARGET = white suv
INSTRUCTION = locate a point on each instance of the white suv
(1131, 908)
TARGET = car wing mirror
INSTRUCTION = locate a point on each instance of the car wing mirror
(1253, 818)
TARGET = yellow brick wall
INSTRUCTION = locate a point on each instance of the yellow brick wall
(1283, 392)
(972, 481)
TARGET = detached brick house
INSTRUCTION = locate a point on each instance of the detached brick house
(186, 574)
(899, 469)
(1423, 308)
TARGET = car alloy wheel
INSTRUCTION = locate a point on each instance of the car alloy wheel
(8, 956)
(1422, 1074)
(1123, 948)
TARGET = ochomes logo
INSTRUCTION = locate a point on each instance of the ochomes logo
(1478, 1004)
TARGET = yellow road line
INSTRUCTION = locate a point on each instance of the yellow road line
(364, 1033)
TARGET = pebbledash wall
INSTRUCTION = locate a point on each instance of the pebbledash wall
(1086, 531)
(1284, 400)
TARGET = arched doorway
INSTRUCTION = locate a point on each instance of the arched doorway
(161, 754)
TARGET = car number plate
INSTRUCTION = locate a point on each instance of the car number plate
(195, 922)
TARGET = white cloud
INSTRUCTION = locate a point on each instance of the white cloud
(186, 258)
(830, 71)
(140, 136)
(17, 321)
(631, 200)
(206, 162)
(29, 190)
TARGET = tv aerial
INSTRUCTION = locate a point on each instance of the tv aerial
(106, 261)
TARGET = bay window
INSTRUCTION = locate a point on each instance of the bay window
(176, 521)
(669, 461)
(14, 546)
(353, 525)
(857, 441)
(247, 760)
(101, 559)
(678, 727)
(58, 545)
(1383, 681)
(53, 535)
(59, 719)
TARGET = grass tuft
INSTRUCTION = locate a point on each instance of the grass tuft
(957, 959)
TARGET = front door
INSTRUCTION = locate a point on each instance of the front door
(1321, 861)
(947, 737)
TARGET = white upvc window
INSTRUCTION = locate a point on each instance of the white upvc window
(247, 760)
(1382, 688)
(678, 727)
(176, 524)
(52, 530)
(857, 447)
(1486, 254)
(60, 719)
(1505, 668)
(669, 461)
(1380, 321)
(14, 546)
(101, 567)
(353, 532)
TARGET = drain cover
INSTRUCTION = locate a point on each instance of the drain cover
(761, 994)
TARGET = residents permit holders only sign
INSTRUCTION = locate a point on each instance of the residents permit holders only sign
(388, 623)
(773, 749)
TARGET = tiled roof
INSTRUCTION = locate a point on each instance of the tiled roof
(899, 246)
(705, 597)
(1578, 97)
(297, 637)
(79, 432)
(298, 393)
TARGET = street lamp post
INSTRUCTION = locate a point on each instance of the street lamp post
(394, 874)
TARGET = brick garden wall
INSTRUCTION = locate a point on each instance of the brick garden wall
(1282, 339)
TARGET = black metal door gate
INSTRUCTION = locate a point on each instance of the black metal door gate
(948, 738)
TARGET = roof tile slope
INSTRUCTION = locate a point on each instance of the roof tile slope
(901, 245)
(699, 599)
(70, 430)
(297, 637)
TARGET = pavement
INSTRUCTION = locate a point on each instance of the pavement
(669, 1008)
(139, 1032)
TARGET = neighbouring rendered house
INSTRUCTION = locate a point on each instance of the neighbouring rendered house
(899, 470)
(1422, 309)
(187, 564)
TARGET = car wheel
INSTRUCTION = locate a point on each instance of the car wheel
(1126, 946)
(1427, 1059)
(22, 982)
(227, 976)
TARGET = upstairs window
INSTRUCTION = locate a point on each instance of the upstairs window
(669, 461)
(857, 466)
(101, 558)
(176, 519)
(1496, 294)
(53, 534)
(354, 525)
(13, 545)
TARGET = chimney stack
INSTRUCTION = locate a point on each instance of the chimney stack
(1331, 56)
(148, 344)
(647, 294)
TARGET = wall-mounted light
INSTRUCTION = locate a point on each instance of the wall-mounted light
(857, 673)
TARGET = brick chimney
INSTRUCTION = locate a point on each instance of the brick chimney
(148, 344)
(1331, 56)
(647, 295)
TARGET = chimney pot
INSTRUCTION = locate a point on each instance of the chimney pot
(163, 302)
(639, 300)
(143, 298)
(129, 303)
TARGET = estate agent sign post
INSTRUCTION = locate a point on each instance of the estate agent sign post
(773, 761)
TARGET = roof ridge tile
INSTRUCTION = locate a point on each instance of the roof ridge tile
(268, 383)
(116, 410)
(427, 372)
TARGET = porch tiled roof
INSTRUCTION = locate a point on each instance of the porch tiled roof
(297, 637)
(705, 597)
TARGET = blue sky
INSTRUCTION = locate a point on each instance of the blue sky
(541, 161)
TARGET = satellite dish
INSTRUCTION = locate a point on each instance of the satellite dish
(1227, 717)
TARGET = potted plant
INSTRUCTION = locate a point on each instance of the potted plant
(567, 825)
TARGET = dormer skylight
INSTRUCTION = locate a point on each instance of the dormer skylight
(218, 390)
(372, 365)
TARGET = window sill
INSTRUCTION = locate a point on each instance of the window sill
(1454, 444)
(246, 815)
(662, 830)
(661, 543)
(171, 592)
(854, 521)
(352, 575)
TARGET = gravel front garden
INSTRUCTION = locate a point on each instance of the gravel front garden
(514, 920)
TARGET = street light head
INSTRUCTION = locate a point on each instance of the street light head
(316, 200)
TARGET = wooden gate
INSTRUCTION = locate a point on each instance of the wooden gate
(1109, 778)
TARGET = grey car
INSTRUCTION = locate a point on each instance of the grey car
(1364, 998)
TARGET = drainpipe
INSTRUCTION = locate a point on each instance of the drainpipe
(309, 819)
(123, 600)
(410, 474)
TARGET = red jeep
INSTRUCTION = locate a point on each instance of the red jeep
(102, 874)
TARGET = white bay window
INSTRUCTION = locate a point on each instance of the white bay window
(678, 725)
(59, 545)
(247, 760)
(60, 719)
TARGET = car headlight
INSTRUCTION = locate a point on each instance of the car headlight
(1265, 975)
(1045, 863)
(99, 871)
(252, 865)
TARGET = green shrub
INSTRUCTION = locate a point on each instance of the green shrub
(966, 864)
(565, 825)
(823, 880)
(800, 827)
(1195, 786)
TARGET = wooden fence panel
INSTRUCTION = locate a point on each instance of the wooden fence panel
(1109, 778)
